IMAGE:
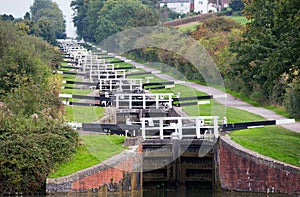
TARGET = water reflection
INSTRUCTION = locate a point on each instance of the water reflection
(175, 194)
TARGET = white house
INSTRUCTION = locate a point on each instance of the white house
(179, 6)
(203, 6)
(185, 6)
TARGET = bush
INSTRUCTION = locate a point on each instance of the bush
(30, 148)
(292, 99)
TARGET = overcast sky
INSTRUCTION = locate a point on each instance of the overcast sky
(18, 8)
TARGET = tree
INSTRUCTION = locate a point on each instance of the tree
(33, 137)
(29, 149)
(116, 16)
(6, 17)
(236, 5)
(81, 20)
(27, 16)
(268, 55)
(44, 29)
(46, 13)
(97, 19)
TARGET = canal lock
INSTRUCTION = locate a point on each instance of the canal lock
(177, 164)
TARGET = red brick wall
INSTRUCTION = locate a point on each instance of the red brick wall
(122, 171)
(111, 175)
(244, 170)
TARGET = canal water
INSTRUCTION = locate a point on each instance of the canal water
(169, 193)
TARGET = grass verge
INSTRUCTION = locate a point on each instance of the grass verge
(241, 19)
(85, 156)
(188, 27)
(233, 115)
(83, 114)
(275, 142)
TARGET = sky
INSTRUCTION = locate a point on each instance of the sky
(18, 8)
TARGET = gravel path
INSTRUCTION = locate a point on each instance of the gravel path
(230, 101)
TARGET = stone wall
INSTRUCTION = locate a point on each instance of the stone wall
(119, 173)
(243, 170)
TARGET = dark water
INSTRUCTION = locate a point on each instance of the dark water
(177, 194)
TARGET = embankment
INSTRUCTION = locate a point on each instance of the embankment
(243, 170)
(117, 174)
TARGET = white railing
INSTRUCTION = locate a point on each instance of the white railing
(141, 101)
(120, 84)
(106, 74)
(180, 127)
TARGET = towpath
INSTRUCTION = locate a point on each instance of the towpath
(230, 101)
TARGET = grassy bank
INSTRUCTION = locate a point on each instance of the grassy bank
(94, 150)
(83, 114)
(275, 142)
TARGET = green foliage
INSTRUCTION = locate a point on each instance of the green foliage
(81, 20)
(112, 15)
(292, 99)
(269, 141)
(98, 19)
(33, 139)
(214, 34)
(94, 150)
(43, 28)
(29, 149)
(236, 5)
(167, 14)
(241, 19)
(48, 20)
(6, 17)
(24, 60)
(267, 56)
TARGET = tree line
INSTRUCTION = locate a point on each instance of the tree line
(96, 20)
(44, 20)
(268, 56)
(33, 137)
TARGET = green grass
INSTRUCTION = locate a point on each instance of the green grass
(64, 63)
(155, 79)
(83, 114)
(76, 91)
(65, 69)
(189, 27)
(233, 115)
(185, 91)
(69, 77)
(275, 142)
(241, 19)
(104, 146)
(96, 148)
(123, 65)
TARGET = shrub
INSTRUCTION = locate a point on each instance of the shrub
(292, 99)
(30, 148)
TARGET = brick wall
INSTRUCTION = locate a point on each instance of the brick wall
(119, 173)
(243, 170)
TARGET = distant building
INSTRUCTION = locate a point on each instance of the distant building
(222, 3)
(203, 6)
(179, 6)
(185, 6)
